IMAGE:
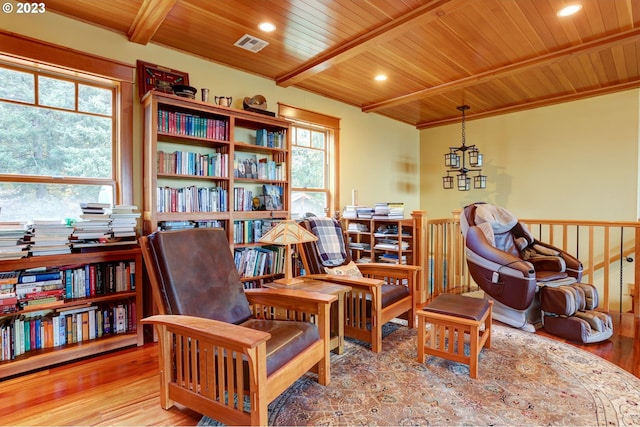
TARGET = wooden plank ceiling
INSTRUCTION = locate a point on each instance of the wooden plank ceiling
(497, 56)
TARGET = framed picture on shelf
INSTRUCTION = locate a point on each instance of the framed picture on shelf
(272, 197)
(245, 165)
(156, 77)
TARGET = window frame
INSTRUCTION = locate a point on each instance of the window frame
(60, 61)
(331, 125)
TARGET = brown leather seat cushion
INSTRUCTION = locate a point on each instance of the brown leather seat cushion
(288, 339)
(458, 306)
(393, 293)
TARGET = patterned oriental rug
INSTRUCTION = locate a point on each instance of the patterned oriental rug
(524, 379)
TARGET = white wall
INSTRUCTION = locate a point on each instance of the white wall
(379, 156)
(577, 160)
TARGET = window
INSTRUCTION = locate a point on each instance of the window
(313, 162)
(63, 137)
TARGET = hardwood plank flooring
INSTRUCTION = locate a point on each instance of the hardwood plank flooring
(121, 388)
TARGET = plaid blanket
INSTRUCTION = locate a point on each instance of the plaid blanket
(330, 241)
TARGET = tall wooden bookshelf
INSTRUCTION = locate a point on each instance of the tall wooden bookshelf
(47, 356)
(253, 151)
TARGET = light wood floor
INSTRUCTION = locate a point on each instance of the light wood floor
(121, 388)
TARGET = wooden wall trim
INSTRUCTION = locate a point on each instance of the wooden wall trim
(59, 56)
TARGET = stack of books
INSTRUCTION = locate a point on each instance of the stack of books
(103, 225)
(123, 222)
(358, 227)
(350, 212)
(396, 210)
(40, 286)
(388, 210)
(49, 237)
(364, 212)
(8, 298)
(93, 226)
(12, 243)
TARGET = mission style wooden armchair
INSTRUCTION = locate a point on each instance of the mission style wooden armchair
(220, 344)
(380, 291)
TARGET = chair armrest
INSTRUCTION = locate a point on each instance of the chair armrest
(388, 267)
(389, 272)
(219, 333)
(290, 299)
(348, 280)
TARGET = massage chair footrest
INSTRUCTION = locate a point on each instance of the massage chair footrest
(568, 313)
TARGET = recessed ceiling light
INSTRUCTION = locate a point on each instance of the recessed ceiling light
(569, 10)
(380, 78)
(267, 26)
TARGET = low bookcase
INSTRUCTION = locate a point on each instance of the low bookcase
(127, 298)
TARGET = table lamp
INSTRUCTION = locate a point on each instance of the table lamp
(287, 233)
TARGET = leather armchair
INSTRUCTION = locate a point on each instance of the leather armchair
(382, 293)
(227, 352)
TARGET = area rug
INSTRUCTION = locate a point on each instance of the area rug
(524, 379)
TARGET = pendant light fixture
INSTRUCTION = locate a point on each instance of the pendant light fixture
(456, 160)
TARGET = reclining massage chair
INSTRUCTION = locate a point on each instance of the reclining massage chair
(530, 282)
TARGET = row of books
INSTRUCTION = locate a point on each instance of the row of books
(192, 125)
(181, 225)
(21, 334)
(192, 199)
(242, 199)
(250, 231)
(259, 261)
(266, 138)
(194, 164)
(20, 289)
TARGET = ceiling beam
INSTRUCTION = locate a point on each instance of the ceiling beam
(330, 57)
(517, 67)
(149, 18)
(534, 104)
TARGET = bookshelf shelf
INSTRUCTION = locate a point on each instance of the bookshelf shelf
(48, 356)
(259, 142)
(383, 241)
(53, 356)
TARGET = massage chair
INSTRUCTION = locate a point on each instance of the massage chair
(532, 283)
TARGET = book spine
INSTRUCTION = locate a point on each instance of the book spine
(38, 277)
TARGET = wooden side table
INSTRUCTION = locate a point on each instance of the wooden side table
(337, 307)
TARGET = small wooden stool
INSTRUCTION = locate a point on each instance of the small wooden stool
(450, 314)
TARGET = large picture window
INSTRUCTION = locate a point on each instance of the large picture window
(57, 140)
(61, 137)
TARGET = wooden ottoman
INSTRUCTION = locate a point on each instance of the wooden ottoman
(453, 317)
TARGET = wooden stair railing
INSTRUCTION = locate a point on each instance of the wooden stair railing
(608, 250)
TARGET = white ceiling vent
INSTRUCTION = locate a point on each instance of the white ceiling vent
(251, 43)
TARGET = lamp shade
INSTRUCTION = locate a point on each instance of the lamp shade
(287, 232)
